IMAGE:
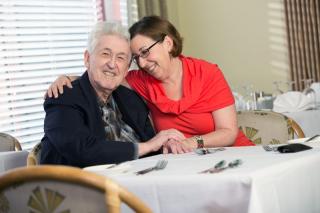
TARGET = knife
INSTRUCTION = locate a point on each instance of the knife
(313, 137)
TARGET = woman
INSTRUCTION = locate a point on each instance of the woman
(188, 94)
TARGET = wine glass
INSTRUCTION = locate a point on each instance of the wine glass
(289, 85)
(277, 90)
(250, 97)
(308, 91)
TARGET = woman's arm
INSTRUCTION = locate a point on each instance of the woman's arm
(56, 87)
(226, 129)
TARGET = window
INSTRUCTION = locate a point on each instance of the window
(39, 40)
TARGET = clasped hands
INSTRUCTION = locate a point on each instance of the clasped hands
(172, 141)
(176, 147)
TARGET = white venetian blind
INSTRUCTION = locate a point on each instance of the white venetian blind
(39, 40)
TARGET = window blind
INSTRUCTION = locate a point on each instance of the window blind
(40, 40)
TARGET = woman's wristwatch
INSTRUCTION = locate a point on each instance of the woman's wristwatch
(199, 140)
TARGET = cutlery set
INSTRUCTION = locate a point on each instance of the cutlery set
(204, 151)
(269, 148)
(220, 166)
(161, 164)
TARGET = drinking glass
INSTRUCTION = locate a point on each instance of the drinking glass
(308, 91)
(277, 88)
(250, 97)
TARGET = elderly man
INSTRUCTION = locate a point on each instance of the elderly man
(99, 121)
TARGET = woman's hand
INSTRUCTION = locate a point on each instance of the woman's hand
(56, 87)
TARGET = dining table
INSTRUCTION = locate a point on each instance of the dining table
(308, 120)
(12, 159)
(264, 182)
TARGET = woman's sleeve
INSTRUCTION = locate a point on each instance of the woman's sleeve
(137, 81)
(216, 92)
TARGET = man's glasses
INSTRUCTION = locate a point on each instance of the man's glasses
(145, 53)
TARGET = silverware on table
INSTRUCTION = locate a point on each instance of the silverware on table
(312, 138)
(269, 148)
(204, 151)
(161, 164)
(219, 167)
(232, 164)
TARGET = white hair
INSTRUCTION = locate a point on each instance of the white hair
(106, 28)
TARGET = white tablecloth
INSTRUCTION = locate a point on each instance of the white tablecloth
(12, 159)
(265, 182)
(309, 121)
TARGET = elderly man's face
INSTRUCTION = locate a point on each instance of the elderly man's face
(108, 63)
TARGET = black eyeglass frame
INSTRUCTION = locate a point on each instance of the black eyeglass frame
(145, 53)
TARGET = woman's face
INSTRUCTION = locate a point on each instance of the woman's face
(152, 56)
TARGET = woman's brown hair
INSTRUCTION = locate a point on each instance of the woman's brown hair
(156, 28)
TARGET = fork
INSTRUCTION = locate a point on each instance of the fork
(205, 151)
(269, 148)
(161, 164)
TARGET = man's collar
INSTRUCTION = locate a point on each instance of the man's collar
(102, 103)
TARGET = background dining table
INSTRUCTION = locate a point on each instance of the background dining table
(265, 182)
(309, 121)
(12, 159)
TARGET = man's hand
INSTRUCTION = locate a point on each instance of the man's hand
(176, 147)
(155, 143)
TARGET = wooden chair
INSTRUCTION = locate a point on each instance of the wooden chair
(9, 143)
(267, 127)
(34, 155)
(62, 189)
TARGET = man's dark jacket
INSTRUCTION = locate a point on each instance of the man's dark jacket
(74, 131)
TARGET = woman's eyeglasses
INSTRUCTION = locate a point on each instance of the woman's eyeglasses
(145, 53)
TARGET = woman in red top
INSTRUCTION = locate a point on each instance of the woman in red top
(184, 93)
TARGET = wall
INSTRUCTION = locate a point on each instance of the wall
(246, 38)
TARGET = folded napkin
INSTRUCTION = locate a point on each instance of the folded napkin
(316, 87)
(292, 101)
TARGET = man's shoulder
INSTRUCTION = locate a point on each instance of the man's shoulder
(70, 95)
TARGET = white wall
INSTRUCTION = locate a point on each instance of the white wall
(246, 38)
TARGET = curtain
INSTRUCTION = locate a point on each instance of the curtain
(152, 7)
(303, 30)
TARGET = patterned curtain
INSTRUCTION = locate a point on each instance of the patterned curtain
(303, 29)
(152, 7)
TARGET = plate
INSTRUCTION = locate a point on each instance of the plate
(110, 168)
(302, 140)
(99, 167)
(298, 140)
